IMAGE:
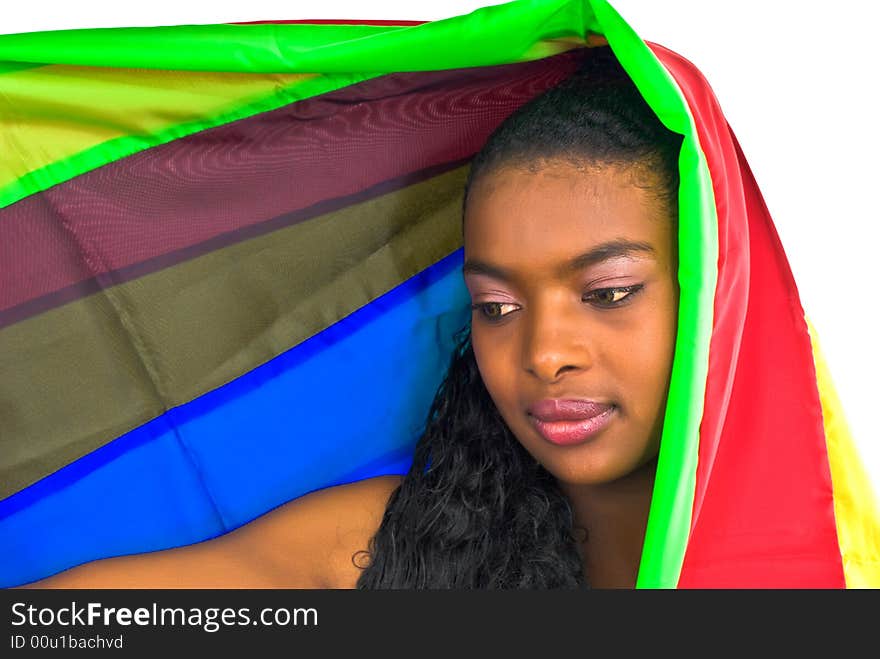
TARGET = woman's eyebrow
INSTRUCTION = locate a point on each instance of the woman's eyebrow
(619, 248)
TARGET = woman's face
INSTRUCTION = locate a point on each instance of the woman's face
(574, 276)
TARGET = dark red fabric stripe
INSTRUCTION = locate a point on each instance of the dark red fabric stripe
(92, 230)
(105, 280)
(763, 512)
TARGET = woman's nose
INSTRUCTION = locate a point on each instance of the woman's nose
(556, 341)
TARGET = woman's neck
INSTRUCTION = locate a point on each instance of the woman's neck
(615, 516)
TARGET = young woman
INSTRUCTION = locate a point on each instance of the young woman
(537, 464)
(550, 419)
(637, 398)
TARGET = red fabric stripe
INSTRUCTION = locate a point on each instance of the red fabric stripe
(763, 511)
(217, 182)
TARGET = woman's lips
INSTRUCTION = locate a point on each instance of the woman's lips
(566, 422)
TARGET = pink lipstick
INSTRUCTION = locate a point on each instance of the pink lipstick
(569, 421)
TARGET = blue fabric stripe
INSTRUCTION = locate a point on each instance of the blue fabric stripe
(347, 404)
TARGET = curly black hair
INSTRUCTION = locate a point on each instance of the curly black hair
(476, 510)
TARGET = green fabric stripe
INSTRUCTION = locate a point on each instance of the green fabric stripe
(672, 504)
(105, 152)
(161, 340)
(493, 35)
(518, 31)
(12, 67)
(51, 112)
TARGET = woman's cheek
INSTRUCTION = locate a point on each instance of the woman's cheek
(484, 360)
(494, 366)
(654, 357)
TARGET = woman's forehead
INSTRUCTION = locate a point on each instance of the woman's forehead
(549, 215)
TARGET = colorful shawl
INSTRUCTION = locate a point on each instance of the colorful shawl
(211, 235)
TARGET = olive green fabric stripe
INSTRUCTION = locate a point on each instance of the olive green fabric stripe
(59, 122)
(669, 519)
(160, 341)
(502, 34)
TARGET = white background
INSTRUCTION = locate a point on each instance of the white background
(795, 81)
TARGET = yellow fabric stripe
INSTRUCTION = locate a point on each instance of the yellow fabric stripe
(855, 504)
(50, 113)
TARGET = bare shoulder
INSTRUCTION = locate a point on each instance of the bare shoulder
(325, 528)
(305, 543)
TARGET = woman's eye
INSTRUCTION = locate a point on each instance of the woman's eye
(493, 311)
(604, 298)
(612, 297)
